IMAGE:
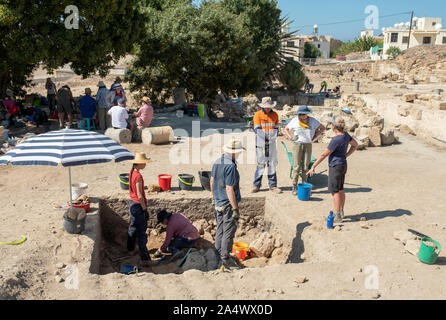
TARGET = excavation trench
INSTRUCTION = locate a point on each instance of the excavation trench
(110, 250)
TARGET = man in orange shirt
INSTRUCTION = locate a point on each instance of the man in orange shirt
(266, 126)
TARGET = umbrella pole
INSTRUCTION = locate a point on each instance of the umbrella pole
(69, 181)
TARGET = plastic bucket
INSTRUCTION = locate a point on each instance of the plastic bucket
(427, 254)
(164, 181)
(186, 181)
(72, 226)
(86, 207)
(240, 249)
(205, 179)
(304, 191)
(124, 181)
(78, 189)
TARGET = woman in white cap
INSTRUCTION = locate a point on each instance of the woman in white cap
(138, 209)
(303, 130)
(338, 152)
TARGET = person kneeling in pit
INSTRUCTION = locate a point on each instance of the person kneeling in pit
(180, 233)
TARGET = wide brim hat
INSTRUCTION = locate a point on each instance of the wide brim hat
(140, 158)
(267, 102)
(234, 146)
(161, 215)
(304, 110)
(101, 84)
(145, 99)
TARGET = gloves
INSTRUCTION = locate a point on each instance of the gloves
(235, 214)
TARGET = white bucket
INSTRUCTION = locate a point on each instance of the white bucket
(78, 189)
(180, 113)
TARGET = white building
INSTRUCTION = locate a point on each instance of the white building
(425, 31)
(367, 33)
(322, 43)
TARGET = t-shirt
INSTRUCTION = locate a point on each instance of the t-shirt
(179, 226)
(303, 135)
(119, 117)
(134, 178)
(87, 105)
(225, 173)
(144, 116)
(339, 146)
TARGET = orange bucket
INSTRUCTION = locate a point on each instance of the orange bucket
(240, 249)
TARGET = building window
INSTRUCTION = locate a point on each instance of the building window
(405, 39)
(318, 46)
(427, 40)
(394, 37)
(434, 24)
(290, 43)
(444, 40)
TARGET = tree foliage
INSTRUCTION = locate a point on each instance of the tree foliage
(393, 52)
(228, 45)
(359, 45)
(292, 75)
(33, 33)
(310, 51)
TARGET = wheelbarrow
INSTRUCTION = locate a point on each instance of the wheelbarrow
(290, 160)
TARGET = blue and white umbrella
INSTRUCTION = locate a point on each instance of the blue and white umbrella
(67, 147)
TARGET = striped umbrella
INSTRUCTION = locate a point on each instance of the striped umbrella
(67, 147)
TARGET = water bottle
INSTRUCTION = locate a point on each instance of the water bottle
(330, 220)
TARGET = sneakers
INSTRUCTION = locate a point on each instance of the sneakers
(337, 218)
(255, 189)
(230, 264)
(294, 190)
(275, 190)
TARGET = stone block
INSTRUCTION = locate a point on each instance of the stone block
(263, 246)
(416, 114)
(410, 97)
(375, 136)
(387, 137)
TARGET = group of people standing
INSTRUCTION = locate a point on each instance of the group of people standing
(108, 107)
(302, 130)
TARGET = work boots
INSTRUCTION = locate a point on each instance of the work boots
(275, 190)
(294, 190)
(255, 189)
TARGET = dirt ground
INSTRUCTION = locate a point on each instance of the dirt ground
(400, 187)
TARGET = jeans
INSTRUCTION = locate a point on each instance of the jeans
(52, 102)
(137, 230)
(226, 228)
(180, 243)
(104, 118)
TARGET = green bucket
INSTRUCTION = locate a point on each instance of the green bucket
(427, 254)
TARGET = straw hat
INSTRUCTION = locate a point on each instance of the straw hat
(267, 102)
(145, 99)
(234, 146)
(140, 158)
(101, 84)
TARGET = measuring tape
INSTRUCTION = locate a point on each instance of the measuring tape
(14, 243)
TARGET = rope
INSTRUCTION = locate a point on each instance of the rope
(14, 243)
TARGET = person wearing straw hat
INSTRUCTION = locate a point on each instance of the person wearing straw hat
(303, 130)
(102, 106)
(266, 127)
(143, 117)
(138, 209)
(338, 154)
(225, 189)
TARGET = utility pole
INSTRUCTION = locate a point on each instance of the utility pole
(410, 30)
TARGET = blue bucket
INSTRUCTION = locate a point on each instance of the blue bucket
(304, 191)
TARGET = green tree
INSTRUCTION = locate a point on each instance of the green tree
(203, 49)
(292, 76)
(359, 45)
(310, 51)
(393, 52)
(334, 46)
(34, 33)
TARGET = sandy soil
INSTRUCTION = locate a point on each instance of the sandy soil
(395, 188)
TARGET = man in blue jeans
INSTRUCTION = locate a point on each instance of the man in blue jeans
(225, 189)
(180, 233)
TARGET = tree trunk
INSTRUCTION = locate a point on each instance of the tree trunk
(4, 81)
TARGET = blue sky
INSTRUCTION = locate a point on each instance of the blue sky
(328, 11)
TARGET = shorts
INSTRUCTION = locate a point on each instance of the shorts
(64, 108)
(336, 178)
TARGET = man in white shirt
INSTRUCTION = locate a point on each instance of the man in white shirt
(302, 131)
(119, 115)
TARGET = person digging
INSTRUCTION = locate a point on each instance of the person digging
(180, 233)
(338, 154)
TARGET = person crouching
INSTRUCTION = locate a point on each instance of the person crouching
(180, 233)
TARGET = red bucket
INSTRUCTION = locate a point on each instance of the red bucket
(164, 181)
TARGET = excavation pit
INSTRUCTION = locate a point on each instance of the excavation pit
(110, 251)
